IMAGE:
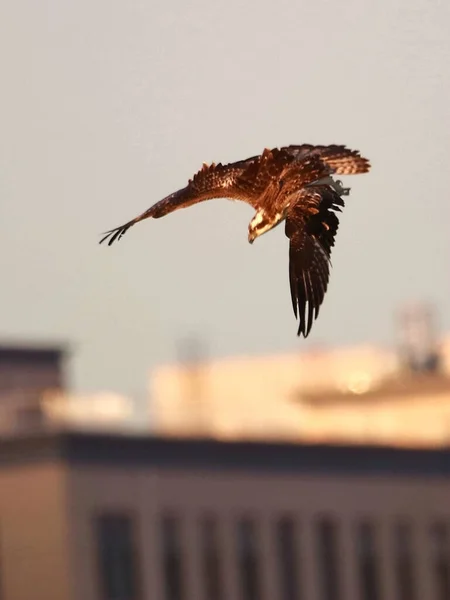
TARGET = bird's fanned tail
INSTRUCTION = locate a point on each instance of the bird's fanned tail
(339, 158)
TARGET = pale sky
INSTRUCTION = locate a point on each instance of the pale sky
(107, 106)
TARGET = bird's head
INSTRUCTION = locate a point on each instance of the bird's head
(261, 223)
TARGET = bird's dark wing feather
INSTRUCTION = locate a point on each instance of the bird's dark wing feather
(311, 226)
(243, 180)
(341, 159)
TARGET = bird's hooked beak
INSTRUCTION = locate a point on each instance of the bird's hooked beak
(251, 236)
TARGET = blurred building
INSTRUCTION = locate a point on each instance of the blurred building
(34, 394)
(110, 517)
(361, 394)
(27, 373)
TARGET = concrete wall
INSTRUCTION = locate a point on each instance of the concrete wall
(34, 549)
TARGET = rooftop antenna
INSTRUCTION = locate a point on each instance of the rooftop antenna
(418, 346)
(192, 357)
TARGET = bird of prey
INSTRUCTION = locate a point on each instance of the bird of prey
(292, 183)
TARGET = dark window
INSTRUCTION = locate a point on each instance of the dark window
(172, 557)
(441, 559)
(288, 563)
(328, 559)
(404, 561)
(248, 562)
(212, 574)
(367, 557)
(117, 556)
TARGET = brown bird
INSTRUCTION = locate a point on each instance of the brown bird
(293, 183)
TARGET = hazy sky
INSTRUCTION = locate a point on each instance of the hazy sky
(107, 106)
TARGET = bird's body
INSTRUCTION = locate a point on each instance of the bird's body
(293, 183)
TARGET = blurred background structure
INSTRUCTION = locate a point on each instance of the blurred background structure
(109, 516)
(323, 475)
(398, 395)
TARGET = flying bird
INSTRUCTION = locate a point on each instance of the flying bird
(292, 183)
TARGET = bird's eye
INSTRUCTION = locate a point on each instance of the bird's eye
(281, 183)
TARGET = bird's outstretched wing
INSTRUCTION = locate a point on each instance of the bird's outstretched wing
(243, 180)
(311, 226)
(339, 158)
(211, 181)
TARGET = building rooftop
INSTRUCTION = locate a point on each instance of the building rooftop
(115, 450)
(31, 351)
